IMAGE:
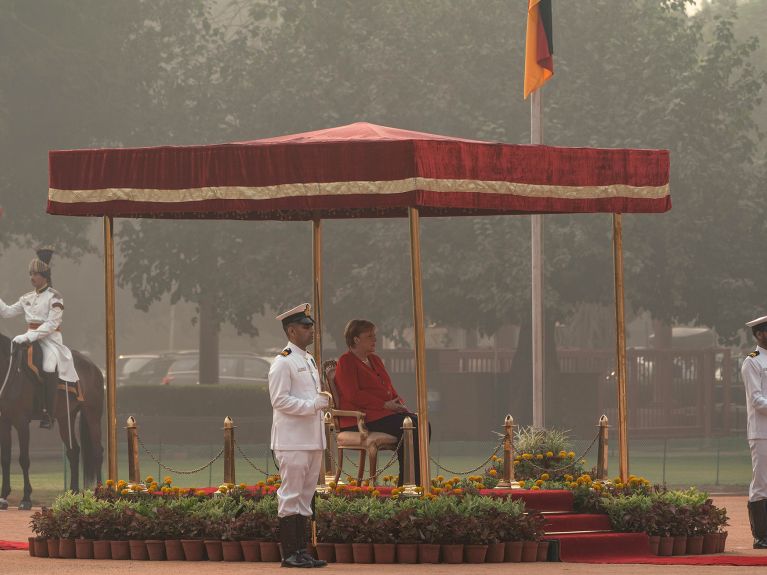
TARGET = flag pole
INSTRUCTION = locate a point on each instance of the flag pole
(536, 246)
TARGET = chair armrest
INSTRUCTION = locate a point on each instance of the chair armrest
(349, 413)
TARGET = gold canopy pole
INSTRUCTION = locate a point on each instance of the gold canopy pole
(420, 349)
(109, 290)
(620, 332)
(317, 268)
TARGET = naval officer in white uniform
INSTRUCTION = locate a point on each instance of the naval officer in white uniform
(754, 375)
(298, 436)
(43, 309)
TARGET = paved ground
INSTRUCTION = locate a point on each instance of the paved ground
(14, 526)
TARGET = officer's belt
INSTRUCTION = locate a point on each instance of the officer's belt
(36, 325)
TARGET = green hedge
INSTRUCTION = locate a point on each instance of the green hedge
(192, 400)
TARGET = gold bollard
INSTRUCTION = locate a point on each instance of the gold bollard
(508, 460)
(134, 472)
(409, 488)
(602, 452)
(228, 450)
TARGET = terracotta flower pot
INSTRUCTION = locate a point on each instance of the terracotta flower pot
(232, 550)
(654, 543)
(53, 548)
(495, 552)
(326, 552)
(251, 550)
(543, 551)
(119, 549)
(513, 552)
(214, 550)
(529, 551)
(138, 550)
(710, 543)
(428, 552)
(666, 546)
(452, 553)
(407, 552)
(270, 551)
(344, 553)
(680, 545)
(84, 548)
(67, 549)
(155, 549)
(41, 547)
(694, 545)
(31, 546)
(174, 551)
(722, 541)
(362, 552)
(194, 549)
(384, 552)
(474, 553)
(102, 549)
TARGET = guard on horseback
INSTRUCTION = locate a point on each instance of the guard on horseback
(43, 309)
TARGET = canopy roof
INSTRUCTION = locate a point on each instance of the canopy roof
(359, 170)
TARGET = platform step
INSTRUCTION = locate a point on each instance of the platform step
(576, 522)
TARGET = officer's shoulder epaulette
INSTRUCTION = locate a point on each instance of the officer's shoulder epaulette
(754, 353)
(286, 352)
(55, 293)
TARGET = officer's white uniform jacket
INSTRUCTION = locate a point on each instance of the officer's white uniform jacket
(43, 313)
(754, 374)
(294, 383)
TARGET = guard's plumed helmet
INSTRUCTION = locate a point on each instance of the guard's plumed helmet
(42, 263)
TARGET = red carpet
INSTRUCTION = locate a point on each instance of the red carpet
(576, 522)
(13, 546)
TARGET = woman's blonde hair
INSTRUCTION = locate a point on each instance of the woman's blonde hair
(356, 328)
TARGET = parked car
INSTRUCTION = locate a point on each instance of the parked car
(144, 368)
(233, 368)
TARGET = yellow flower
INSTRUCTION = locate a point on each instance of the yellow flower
(125, 492)
(165, 489)
(136, 487)
(480, 485)
(458, 491)
(539, 456)
(535, 487)
(568, 477)
(493, 472)
(332, 484)
(242, 486)
(440, 478)
(270, 481)
(418, 489)
(149, 479)
(563, 454)
(571, 455)
(456, 480)
(494, 458)
(395, 491)
(549, 454)
(436, 490)
(199, 492)
(545, 476)
(353, 482)
(586, 477)
(153, 487)
(110, 483)
(597, 487)
(168, 479)
(121, 483)
(527, 456)
(365, 483)
(573, 485)
(223, 489)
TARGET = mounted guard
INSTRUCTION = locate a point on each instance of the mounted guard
(43, 309)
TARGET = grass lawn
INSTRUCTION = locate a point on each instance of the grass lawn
(717, 465)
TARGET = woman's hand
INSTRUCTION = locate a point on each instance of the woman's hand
(395, 406)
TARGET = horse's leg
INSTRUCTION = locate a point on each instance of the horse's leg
(22, 429)
(5, 460)
(67, 432)
(90, 438)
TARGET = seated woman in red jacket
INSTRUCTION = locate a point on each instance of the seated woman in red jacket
(364, 385)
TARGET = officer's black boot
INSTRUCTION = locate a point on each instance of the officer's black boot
(50, 383)
(289, 542)
(757, 516)
(304, 530)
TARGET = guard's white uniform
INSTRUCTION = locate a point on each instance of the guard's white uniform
(298, 436)
(754, 374)
(43, 312)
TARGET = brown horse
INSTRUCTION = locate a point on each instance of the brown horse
(17, 410)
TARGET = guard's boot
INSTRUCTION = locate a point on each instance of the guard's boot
(289, 540)
(304, 530)
(50, 383)
(757, 516)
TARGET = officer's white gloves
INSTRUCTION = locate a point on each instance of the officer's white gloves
(32, 336)
(321, 402)
(20, 339)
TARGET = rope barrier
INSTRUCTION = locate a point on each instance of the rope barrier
(249, 462)
(179, 471)
(477, 468)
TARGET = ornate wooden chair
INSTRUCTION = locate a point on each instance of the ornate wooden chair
(366, 442)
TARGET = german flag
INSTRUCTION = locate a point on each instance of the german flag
(539, 45)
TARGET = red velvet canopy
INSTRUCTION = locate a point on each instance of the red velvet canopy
(359, 170)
